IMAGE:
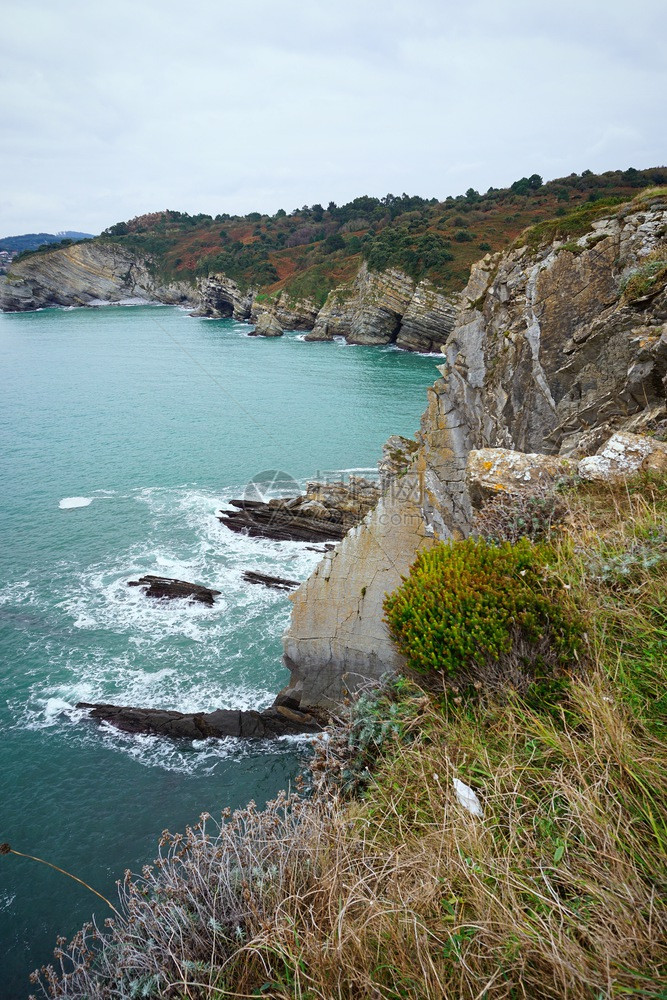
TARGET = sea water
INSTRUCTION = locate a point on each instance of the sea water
(122, 432)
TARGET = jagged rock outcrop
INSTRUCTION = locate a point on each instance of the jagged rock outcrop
(222, 723)
(267, 326)
(368, 310)
(166, 588)
(266, 580)
(548, 355)
(85, 273)
(325, 511)
(221, 297)
(397, 455)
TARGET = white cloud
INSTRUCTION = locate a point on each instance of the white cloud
(108, 111)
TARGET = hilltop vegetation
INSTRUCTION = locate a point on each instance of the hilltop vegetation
(314, 248)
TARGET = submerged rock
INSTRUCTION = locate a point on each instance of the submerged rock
(165, 587)
(279, 720)
(277, 582)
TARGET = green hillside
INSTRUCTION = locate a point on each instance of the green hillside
(311, 250)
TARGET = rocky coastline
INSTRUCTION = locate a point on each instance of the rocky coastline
(373, 308)
(555, 365)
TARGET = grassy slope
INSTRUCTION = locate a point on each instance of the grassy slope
(399, 892)
(427, 238)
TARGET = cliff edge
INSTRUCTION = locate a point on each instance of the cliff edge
(557, 344)
(84, 274)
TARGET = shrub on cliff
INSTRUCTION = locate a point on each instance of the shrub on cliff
(471, 611)
(507, 517)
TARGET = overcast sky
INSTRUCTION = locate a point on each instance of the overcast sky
(112, 109)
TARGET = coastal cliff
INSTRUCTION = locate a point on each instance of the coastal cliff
(374, 308)
(83, 274)
(386, 307)
(558, 343)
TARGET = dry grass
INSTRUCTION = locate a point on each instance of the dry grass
(557, 891)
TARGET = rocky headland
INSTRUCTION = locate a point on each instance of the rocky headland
(554, 364)
(86, 274)
(373, 308)
(558, 350)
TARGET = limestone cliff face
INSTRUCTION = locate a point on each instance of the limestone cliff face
(295, 314)
(386, 307)
(371, 309)
(428, 320)
(220, 296)
(337, 641)
(549, 355)
(366, 311)
(83, 273)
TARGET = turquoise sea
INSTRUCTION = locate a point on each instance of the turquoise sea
(122, 431)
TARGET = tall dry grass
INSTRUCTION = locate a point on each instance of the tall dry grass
(556, 891)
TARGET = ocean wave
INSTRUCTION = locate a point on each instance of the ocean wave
(104, 641)
(68, 503)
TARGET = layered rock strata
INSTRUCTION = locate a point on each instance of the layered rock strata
(86, 273)
(325, 512)
(384, 308)
(548, 355)
(267, 326)
(219, 724)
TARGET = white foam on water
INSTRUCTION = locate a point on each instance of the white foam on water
(68, 503)
(6, 900)
(57, 708)
(114, 644)
(19, 592)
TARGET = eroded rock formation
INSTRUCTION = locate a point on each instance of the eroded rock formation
(279, 720)
(267, 325)
(167, 588)
(550, 355)
(387, 307)
(324, 512)
(85, 273)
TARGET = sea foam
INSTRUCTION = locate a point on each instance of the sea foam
(68, 503)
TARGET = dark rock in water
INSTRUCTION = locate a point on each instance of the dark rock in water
(277, 582)
(165, 587)
(279, 720)
(325, 513)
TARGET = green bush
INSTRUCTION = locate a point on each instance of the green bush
(416, 254)
(474, 610)
(648, 279)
